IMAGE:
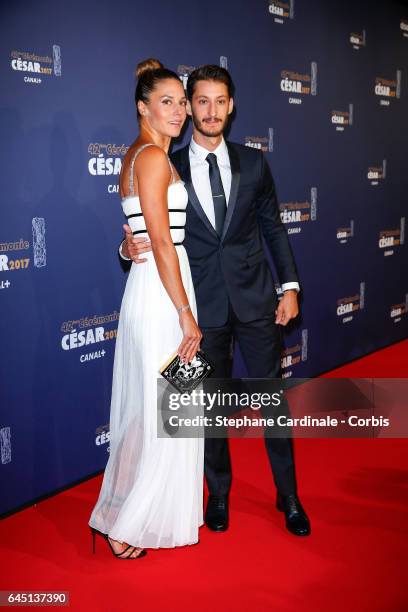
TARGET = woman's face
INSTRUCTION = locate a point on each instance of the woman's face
(165, 111)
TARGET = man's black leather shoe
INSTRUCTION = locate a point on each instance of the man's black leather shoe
(216, 514)
(297, 521)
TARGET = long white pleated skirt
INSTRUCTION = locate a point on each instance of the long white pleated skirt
(152, 491)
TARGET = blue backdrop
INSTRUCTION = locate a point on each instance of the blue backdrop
(321, 88)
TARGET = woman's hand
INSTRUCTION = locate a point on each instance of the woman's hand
(191, 336)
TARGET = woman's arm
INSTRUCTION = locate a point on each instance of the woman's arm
(152, 174)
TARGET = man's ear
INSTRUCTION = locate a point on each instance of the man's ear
(230, 105)
(188, 108)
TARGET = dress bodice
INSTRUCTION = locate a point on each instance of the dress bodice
(177, 199)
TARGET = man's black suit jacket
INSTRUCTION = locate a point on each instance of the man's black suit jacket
(235, 267)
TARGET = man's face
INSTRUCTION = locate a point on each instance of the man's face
(210, 107)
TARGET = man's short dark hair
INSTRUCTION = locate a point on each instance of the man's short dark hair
(210, 72)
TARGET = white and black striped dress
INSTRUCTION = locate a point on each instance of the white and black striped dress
(152, 492)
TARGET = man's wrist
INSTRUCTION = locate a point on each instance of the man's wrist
(121, 252)
(291, 286)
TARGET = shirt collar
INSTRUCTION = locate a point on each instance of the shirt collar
(201, 152)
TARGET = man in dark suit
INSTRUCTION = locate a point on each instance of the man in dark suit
(232, 207)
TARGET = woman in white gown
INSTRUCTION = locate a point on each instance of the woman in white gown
(151, 495)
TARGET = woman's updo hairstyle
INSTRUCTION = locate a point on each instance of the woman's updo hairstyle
(148, 74)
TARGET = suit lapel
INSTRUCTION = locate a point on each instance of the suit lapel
(185, 173)
(235, 177)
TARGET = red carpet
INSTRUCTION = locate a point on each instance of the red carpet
(355, 492)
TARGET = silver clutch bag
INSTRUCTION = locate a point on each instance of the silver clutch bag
(186, 377)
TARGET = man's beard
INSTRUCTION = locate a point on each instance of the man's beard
(200, 126)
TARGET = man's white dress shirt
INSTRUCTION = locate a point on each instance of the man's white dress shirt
(201, 182)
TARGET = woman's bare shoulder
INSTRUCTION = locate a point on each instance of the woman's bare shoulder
(138, 148)
(152, 160)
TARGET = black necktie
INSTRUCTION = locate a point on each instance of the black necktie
(218, 194)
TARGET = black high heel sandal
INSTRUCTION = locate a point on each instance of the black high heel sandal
(142, 553)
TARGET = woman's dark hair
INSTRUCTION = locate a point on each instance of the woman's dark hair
(148, 74)
(211, 72)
